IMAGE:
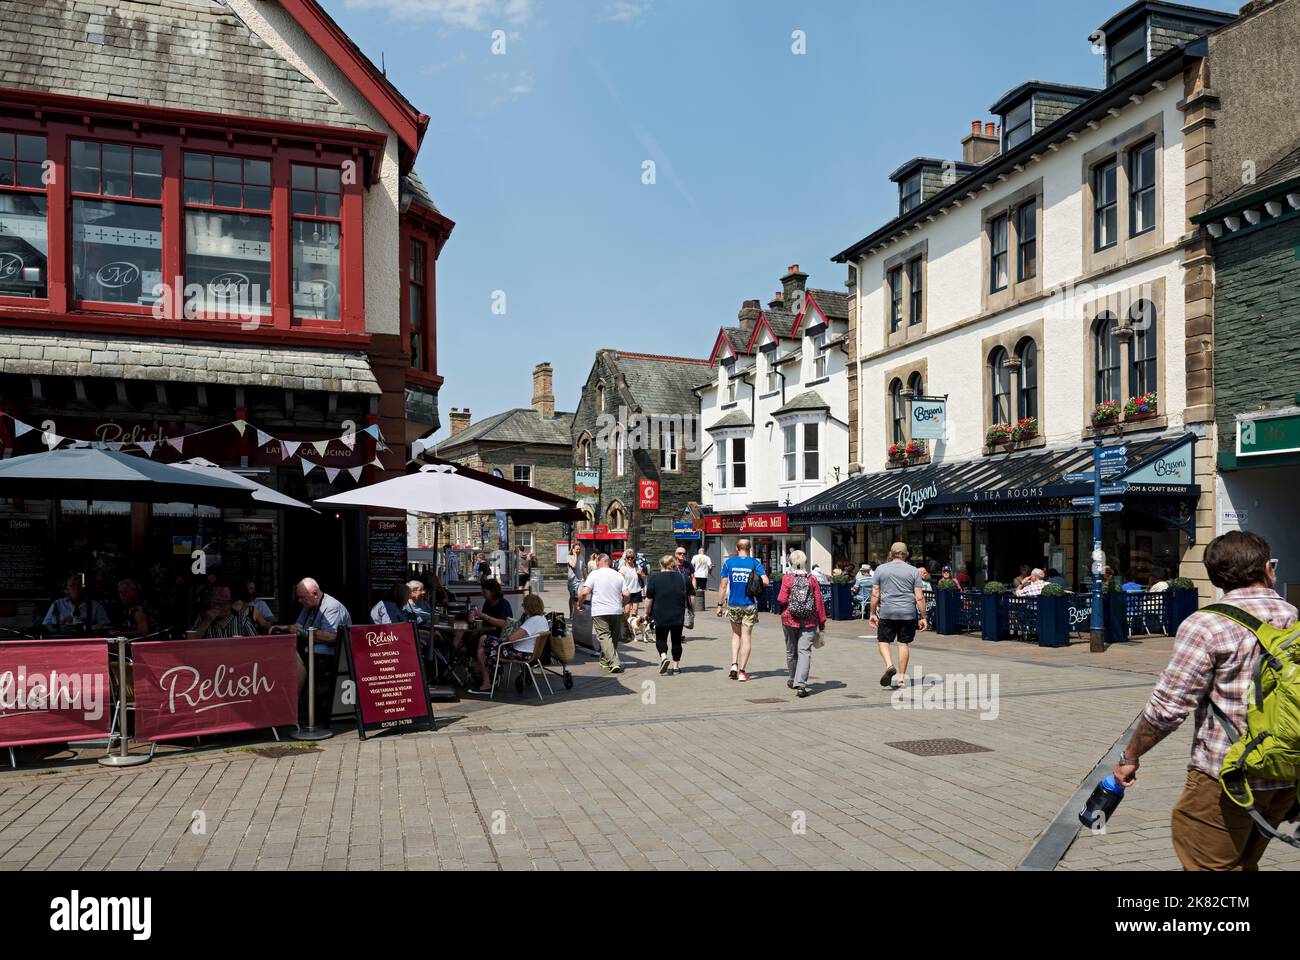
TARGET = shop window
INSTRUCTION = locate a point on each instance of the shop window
(416, 301)
(228, 235)
(317, 234)
(1107, 359)
(1027, 392)
(24, 234)
(1000, 382)
(116, 223)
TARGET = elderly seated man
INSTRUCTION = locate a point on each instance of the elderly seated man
(74, 610)
(330, 619)
(1032, 585)
(222, 620)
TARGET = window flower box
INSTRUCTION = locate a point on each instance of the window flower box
(906, 452)
(1106, 413)
(998, 434)
(1142, 408)
(1026, 429)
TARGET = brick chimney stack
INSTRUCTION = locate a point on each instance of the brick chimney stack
(748, 316)
(794, 279)
(459, 420)
(543, 395)
(982, 144)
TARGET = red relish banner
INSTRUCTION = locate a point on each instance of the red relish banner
(187, 688)
(52, 691)
(386, 667)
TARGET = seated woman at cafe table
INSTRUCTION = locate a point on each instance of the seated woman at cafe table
(222, 620)
(392, 608)
(533, 626)
(73, 610)
(496, 613)
(137, 619)
(243, 594)
(417, 609)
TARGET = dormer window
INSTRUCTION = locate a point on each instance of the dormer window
(909, 194)
(1126, 54)
(1019, 125)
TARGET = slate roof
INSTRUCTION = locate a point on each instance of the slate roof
(781, 321)
(166, 53)
(413, 187)
(738, 342)
(658, 384)
(32, 353)
(833, 303)
(808, 400)
(731, 420)
(1288, 168)
(521, 425)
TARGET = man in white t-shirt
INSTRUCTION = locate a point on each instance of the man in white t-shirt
(702, 566)
(607, 591)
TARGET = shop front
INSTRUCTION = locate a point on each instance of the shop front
(601, 539)
(996, 517)
(770, 534)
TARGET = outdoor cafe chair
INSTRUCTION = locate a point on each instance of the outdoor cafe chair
(533, 664)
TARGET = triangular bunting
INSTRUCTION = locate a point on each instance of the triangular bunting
(176, 443)
(321, 446)
(20, 428)
(147, 446)
(356, 473)
(239, 425)
(348, 440)
(263, 438)
(51, 440)
(291, 447)
(308, 466)
(331, 473)
(373, 430)
(115, 446)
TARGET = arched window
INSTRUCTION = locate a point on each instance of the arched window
(1027, 394)
(616, 516)
(600, 398)
(1000, 384)
(1106, 354)
(916, 385)
(1146, 345)
(617, 440)
(897, 413)
(588, 522)
(584, 451)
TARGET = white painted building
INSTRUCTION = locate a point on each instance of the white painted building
(1038, 277)
(775, 419)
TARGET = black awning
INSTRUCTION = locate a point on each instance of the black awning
(1003, 487)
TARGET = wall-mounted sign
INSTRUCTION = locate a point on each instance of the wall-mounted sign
(911, 502)
(586, 487)
(648, 493)
(929, 418)
(750, 523)
(1174, 468)
(1265, 435)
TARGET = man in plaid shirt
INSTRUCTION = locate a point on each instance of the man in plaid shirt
(1214, 658)
(1034, 585)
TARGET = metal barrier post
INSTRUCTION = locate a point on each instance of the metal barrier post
(311, 733)
(122, 759)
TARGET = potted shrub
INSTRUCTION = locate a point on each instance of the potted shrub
(1114, 610)
(947, 607)
(1183, 601)
(1142, 408)
(998, 434)
(1106, 413)
(993, 611)
(1026, 429)
(1053, 617)
(841, 607)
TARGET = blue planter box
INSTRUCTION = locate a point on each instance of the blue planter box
(1053, 621)
(1115, 611)
(1182, 604)
(841, 605)
(993, 617)
(947, 612)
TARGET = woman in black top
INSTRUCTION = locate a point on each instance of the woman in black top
(669, 600)
(496, 613)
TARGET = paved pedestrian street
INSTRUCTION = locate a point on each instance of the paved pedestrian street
(645, 772)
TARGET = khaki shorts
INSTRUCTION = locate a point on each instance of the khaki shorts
(745, 616)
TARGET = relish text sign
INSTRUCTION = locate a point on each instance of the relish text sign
(188, 688)
(53, 690)
(391, 690)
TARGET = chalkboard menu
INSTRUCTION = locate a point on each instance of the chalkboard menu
(22, 557)
(387, 552)
(250, 548)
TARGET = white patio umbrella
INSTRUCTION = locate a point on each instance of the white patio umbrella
(436, 489)
(261, 492)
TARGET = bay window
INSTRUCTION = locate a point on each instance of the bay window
(789, 454)
(721, 448)
(117, 238)
(738, 463)
(317, 232)
(24, 237)
(416, 300)
(228, 235)
(811, 453)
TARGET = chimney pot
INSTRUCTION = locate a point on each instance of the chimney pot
(975, 127)
(543, 394)
(459, 420)
(990, 130)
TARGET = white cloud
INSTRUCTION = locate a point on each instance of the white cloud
(625, 11)
(514, 86)
(470, 14)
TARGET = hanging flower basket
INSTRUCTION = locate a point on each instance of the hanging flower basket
(1142, 408)
(998, 434)
(1026, 429)
(1105, 413)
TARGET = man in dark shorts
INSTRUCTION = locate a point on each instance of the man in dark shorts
(897, 610)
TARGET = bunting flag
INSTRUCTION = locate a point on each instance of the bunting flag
(51, 440)
(308, 467)
(176, 443)
(239, 425)
(331, 473)
(263, 438)
(356, 473)
(147, 446)
(373, 430)
(20, 428)
(348, 440)
(321, 446)
(291, 448)
(115, 446)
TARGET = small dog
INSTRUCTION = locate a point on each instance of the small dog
(639, 629)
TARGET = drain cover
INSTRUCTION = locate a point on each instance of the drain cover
(539, 734)
(768, 700)
(275, 753)
(479, 729)
(937, 748)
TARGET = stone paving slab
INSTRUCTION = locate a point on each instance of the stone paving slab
(643, 772)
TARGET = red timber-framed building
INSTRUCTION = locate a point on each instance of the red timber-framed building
(209, 214)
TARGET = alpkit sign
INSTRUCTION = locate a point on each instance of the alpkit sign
(929, 419)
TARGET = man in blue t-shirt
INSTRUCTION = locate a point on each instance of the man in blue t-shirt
(740, 608)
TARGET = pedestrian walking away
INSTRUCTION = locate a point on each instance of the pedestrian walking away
(577, 573)
(607, 591)
(803, 618)
(670, 601)
(897, 611)
(701, 565)
(1211, 675)
(739, 606)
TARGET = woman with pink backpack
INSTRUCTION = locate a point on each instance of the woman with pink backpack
(803, 619)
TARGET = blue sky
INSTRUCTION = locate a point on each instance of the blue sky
(763, 157)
